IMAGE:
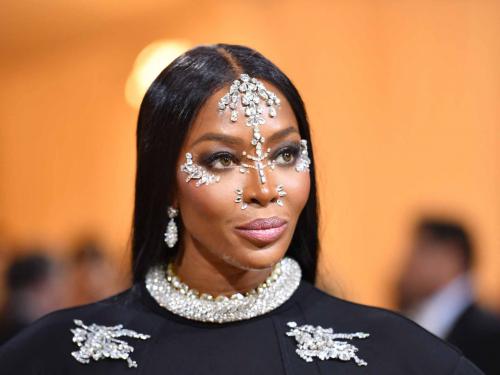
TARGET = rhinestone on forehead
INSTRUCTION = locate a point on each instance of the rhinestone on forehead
(251, 93)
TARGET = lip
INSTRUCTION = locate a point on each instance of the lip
(263, 231)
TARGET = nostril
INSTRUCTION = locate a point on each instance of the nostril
(254, 200)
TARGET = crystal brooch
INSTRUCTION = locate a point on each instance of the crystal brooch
(99, 342)
(323, 343)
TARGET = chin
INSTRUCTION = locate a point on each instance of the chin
(251, 259)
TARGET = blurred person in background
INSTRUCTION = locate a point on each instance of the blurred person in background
(435, 290)
(94, 276)
(35, 287)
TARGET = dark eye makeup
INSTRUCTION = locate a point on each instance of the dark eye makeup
(289, 149)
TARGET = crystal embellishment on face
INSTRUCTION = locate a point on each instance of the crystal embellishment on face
(196, 172)
(175, 296)
(239, 198)
(251, 93)
(281, 193)
(303, 162)
(100, 342)
(324, 344)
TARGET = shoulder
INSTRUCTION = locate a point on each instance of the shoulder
(49, 341)
(392, 337)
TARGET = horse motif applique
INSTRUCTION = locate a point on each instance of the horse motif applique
(99, 342)
(324, 344)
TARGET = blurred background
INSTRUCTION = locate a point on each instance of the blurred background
(403, 99)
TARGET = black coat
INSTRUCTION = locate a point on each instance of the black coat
(477, 333)
(257, 346)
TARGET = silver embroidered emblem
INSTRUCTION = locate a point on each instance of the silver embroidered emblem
(100, 342)
(322, 343)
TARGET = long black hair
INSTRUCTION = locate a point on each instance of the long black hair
(165, 117)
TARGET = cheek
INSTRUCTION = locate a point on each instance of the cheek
(297, 186)
(207, 203)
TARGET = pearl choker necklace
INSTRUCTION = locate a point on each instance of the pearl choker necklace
(175, 296)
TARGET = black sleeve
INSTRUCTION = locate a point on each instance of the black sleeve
(466, 367)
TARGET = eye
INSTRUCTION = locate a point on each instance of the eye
(219, 160)
(287, 155)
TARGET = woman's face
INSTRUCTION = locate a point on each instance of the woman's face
(212, 215)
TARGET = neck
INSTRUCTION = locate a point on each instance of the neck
(208, 273)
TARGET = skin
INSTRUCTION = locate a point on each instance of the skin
(213, 258)
(430, 267)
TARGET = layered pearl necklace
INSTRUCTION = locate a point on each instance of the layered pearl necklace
(177, 297)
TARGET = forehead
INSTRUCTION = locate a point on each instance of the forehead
(211, 119)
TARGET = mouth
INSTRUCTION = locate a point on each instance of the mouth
(263, 231)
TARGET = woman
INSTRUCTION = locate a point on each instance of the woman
(225, 248)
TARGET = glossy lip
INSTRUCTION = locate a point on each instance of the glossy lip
(263, 231)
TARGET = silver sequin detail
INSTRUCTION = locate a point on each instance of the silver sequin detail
(196, 172)
(99, 342)
(321, 342)
(222, 309)
(303, 162)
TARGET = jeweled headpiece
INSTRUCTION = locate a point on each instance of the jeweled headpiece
(251, 94)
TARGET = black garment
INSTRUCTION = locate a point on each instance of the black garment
(9, 327)
(477, 334)
(257, 346)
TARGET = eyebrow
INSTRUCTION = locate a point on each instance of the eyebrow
(282, 134)
(217, 137)
(236, 141)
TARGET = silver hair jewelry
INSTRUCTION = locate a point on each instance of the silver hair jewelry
(321, 342)
(100, 342)
(196, 172)
(251, 92)
(171, 235)
(239, 198)
(303, 162)
(281, 193)
(178, 298)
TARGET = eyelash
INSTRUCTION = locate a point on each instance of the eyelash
(209, 161)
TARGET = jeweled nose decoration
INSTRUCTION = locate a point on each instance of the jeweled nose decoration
(281, 193)
(251, 92)
(100, 342)
(239, 198)
(322, 343)
(196, 172)
(303, 162)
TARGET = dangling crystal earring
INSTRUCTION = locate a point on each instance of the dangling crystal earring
(171, 232)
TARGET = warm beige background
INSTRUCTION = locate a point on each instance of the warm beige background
(403, 98)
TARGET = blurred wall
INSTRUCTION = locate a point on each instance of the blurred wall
(402, 97)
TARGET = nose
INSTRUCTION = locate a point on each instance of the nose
(258, 193)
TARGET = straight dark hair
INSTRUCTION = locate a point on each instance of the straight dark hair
(167, 112)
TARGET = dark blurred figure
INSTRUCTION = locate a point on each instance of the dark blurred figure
(35, 287)
(94, 276)
(435, 290)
